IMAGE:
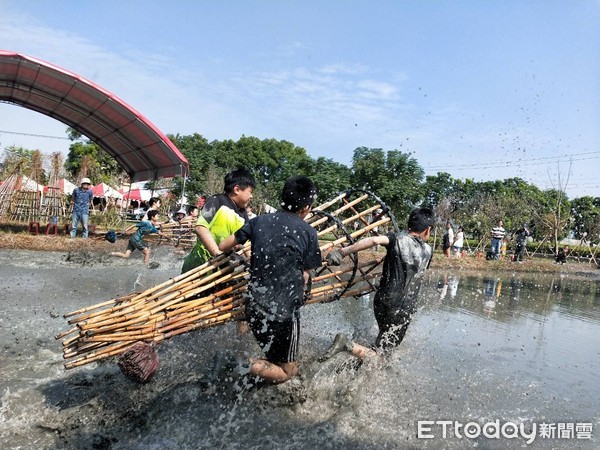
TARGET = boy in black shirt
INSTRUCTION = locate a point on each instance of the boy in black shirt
(407, 258)
(284, 248)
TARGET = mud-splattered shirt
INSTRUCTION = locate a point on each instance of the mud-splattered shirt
(222, 217)
(405, 263)
(283, 247)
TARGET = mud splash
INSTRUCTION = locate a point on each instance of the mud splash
(480, 348)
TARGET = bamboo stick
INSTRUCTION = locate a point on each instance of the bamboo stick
(173, 307)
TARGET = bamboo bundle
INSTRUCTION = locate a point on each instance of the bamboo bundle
(181, 234)
(212, 294)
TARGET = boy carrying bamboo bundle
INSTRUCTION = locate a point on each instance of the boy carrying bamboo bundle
(406, 260)
(221, 216)
(136, 242)
(284, 249)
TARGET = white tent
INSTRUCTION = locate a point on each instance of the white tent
(27, 184)
(66, 186)
(104, 190)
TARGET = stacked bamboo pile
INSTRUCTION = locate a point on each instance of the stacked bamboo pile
(212, 294)
(7, 191)
(53, 204)
(26, 206)
(181, 234)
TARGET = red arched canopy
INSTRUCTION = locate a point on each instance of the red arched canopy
(143, 151)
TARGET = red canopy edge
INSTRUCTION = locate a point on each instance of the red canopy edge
(143, 151)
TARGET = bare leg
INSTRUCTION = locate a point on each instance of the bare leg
(121, 255)
(364, 353)
(341, 343)
(146, 253)
(242, 327)
(275, 373)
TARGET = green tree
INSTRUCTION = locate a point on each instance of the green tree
(395, 176)
(271, 161)
(437, 188)
(16, 159)
(585, 218)
(201, 156)
(85, 158)
(330, 177)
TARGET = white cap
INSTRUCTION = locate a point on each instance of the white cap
(181, 211)
(85, 180)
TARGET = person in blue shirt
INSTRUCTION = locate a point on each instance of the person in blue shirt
(81, 200)
(136, 241)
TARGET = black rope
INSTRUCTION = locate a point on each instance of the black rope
(340, 226)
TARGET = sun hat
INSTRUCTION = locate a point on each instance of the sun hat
(85, 181)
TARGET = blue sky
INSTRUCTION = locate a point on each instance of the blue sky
(480, 89)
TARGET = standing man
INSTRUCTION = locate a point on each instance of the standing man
(81, 199)
(448, 239)
(521, 236)
(498, 233)
(221, 216)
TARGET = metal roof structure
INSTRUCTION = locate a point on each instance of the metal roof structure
(143, 151)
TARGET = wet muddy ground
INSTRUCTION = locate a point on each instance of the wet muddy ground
(480, 348)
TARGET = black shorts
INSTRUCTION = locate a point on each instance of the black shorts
(277, 339)
(393, 323)
(135, 245)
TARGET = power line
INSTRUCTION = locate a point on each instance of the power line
(35, 135)
(510, 163)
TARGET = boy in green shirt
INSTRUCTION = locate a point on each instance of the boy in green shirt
(221, 216)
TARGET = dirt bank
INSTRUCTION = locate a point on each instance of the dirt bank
(25, 241)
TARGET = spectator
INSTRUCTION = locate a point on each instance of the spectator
(153, 205)
(192, 212)
(448, 239)
(521, 236)
(458, 243)
(561, 258)
(498, 233)
(250, 213)
(81, 199)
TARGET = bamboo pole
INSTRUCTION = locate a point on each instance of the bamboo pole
(176, 306)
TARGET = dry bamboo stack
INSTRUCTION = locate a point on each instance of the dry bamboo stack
(7, 191)
(26, 206)
(180, 234)
(212, 294)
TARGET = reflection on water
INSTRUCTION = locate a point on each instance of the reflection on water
(481, 348)
(485, 347)
(540, 332)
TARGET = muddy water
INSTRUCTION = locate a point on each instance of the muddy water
(506, 348)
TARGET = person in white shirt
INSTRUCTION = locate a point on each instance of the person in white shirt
(458, 243)
(498, 233)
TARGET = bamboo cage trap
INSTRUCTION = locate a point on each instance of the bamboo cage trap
(213, 293)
